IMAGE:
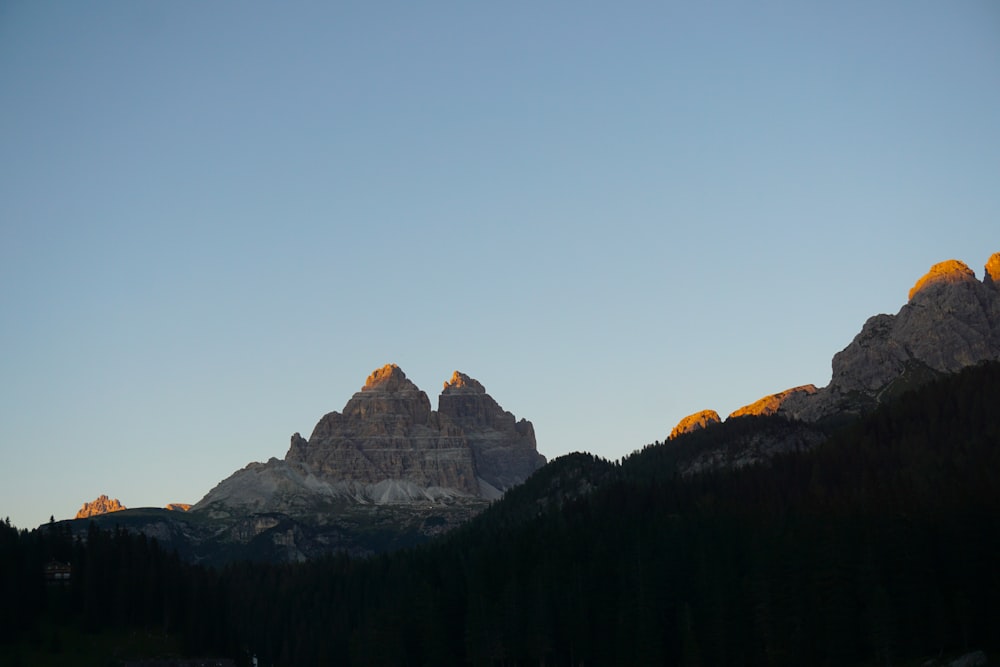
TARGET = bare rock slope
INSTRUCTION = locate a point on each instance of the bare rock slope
(388, 446)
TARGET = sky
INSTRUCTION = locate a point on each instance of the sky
(217, 219)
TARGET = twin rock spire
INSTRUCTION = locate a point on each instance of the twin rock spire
(391, 378)
(388, 446)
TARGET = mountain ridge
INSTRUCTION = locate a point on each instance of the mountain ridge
(389, 471)
(951, 320)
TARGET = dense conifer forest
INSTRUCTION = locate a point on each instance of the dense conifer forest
(877, 548)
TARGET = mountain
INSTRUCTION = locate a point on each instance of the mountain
(388, 447)
(736, 542)
(876, 547)
(101, 505)
(389, 472)
(950, 321)
(386, 472)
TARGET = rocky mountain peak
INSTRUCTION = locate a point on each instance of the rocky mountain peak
(695, 422)
(389, 378)
(388, 446)
(951, 321)
(462, 383)
(387, 395)
(948, 272)
(101, 505)
(503, 447)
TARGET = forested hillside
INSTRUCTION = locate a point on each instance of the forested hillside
(879, 547)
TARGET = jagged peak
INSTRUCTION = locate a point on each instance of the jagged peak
(992, 276)
(388, 378)
(948, 272)
(462, 383)
(101, 505)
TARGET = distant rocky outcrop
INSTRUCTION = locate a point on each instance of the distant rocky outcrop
(178, 507)
(102, 505)
(695, 422)
(951, 321)
(770, 405)
(389, 446)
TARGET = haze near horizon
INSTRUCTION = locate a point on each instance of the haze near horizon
(217, 220)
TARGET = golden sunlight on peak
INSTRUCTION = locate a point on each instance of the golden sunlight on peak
(950, 271)
(383, 375)
(695, 422)
(460, 380)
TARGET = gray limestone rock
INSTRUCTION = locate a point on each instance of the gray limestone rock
(951, 321)
(503, 448)
(388, 446)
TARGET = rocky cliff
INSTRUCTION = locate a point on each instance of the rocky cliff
(503, 448)
(389, 446)
(101, 505)
(950, 321)
(387, 431)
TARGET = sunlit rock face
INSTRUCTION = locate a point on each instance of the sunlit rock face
(388, 446)
(951, 321)
(951, 272)
(695, 422)
(101, 505)
(992, 277)
(770, 405)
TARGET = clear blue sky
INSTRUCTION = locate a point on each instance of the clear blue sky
(216, 219)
